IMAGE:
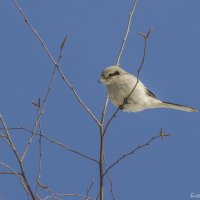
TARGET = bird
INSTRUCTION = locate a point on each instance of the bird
(129, 94)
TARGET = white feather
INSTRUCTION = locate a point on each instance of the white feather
(119, 85)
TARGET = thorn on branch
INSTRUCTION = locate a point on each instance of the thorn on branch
(38, 103)
(63, 42)
(40, 184)
(146, 36)
(163, 135)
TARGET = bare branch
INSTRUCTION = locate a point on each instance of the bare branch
(19, 160)
(59, 195)
(101, 170)
(127, 32)
(104, 112)
(161, 135)
(70, 149)
(110, 120)
(41, 106)
(56, 143)
(88, 190)
(110, 180)
(55, 63)
(11, 170)
(146, 37)
(7, 173)
(34, 31)
(103, 130)
(39, 174)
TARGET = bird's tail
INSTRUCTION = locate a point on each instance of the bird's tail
(177, 107)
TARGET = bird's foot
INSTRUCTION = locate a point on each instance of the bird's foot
(121, 107)
(125, 101)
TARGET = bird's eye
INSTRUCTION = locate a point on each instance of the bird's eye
(114, 74)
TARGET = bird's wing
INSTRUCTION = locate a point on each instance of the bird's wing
(149, 93)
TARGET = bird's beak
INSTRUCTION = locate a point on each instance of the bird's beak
(101, 80)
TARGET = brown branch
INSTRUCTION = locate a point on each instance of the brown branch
(102, 129)
(161, 135)
(146, 37)
(41, 111)
(103, 114)
(70, 149)
(11, 170)
(110, 180)
(7, 173)
(39, 174)
(101, 151)
(59, 195)
(34, 31)
(88, 190)
(127, 32)
(101, 170)
(57, 143)
(11, 145)
(69, 195)
(110, 120)
(77, 96)
(55, 63)
(41, 106)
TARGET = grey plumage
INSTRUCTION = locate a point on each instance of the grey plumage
(120, 83)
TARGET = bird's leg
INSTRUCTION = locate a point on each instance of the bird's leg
(125, 101)
(121, 107)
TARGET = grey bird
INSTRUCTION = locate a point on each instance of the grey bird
(120, 84)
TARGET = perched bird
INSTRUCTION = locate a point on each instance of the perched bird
(120, 84)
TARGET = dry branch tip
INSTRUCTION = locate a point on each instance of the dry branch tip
(163, 135)
(146, 35)
(63, 42)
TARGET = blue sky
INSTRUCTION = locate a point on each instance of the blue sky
(167, 169)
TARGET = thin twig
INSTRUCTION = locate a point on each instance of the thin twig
(103, 113)
(103, 130)
(12, 146)
(7, 173)
(41, 110)
(56, 143)
(34, 31)
(70, 149)
(146, 37)
(161, 135)
(101, 169)
(110, 120)
(59, 195)
(40, 158)
(11, 170)
(110, 180)
(88, 189)
(101, 151)
(56, 64)
(127, 32)
(41, 106)
(77, 96)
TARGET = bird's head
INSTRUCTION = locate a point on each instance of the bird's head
(111, 74)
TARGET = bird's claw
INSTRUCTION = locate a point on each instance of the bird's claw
(125, 101)
(121, 107)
